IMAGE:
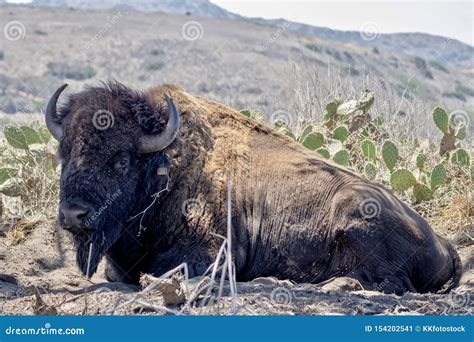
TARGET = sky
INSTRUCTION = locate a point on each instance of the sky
(453, 19)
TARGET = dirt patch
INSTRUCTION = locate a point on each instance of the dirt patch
(45, 258)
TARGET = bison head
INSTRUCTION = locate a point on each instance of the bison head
(110, 142)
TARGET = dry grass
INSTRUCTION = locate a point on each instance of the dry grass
(22, 229)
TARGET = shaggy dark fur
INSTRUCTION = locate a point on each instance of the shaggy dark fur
(295, 215)
(89, 158)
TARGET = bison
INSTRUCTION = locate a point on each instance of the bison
(134, 162)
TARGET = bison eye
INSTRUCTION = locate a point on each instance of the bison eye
(122, 164)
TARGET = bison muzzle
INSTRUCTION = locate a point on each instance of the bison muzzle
(295, 215)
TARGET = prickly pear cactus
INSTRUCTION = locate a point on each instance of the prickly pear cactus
(307, 130)
(340, 133)
(324, 152)
(421, 160)
(365, 101)
(460, 133)
(368, 149)
(341, 157)
(389, 154)
(402, 180)
(7, 173)
(31, 135)
(11, 188)
(421, 192)
(313, 141)
(460, 157)
(331, 109)
(15, 137)
(438, 176)
(370, 170)
(440, 118)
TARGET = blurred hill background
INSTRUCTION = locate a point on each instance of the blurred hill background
(270, 65)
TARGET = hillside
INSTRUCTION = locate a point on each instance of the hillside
(239, 62)
(445, 51)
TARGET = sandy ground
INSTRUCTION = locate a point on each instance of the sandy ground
(43, 257)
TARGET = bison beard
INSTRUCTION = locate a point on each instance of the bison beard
(295, 215)
(83, 244)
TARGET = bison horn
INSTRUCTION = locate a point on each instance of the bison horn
(154, 143)
(54, 128)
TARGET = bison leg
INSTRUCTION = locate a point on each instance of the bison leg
(196, 257)
(380, 263)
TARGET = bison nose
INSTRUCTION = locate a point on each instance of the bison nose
(75, 214)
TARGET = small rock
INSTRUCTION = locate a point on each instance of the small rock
(342, 284)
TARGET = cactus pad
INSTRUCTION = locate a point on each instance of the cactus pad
(313, 141)
(340, 133)
(307, 130)
(421, 192)
(440, 118)
(15, 137)
(389, 154)
(401, 180)
(460, 157)
(368, 149)
(365, 101)
(341, 157)
(421, 160)
(438, 176)
(324, 152)
(11, 188)
(331, 109)
(370, 170)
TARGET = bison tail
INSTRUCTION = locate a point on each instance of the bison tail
(456, 275)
